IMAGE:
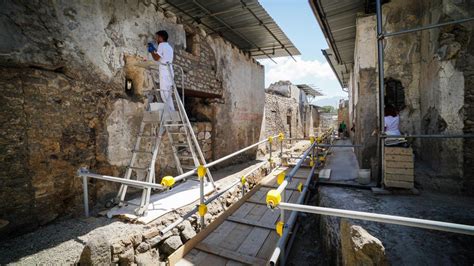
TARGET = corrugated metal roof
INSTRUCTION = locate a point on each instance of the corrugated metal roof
(338, 23)
(245, 23)
(309, 90)
(342, 71)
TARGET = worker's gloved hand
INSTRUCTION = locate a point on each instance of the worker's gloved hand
(151, 47)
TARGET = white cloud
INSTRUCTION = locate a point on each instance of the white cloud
(301, 71)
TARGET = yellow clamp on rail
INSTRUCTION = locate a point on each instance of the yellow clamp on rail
(243, 180)
(322, 158)
(319, 140)
(202, 210)
(311, 162)
(281, 177)
(311, 139)
(300, 187)
(201, 171)
(279, 228)
(270, 139)
(273, 198)
(281, 136)
(167, 181)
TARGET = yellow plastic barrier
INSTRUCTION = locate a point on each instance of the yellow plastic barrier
(279, 228)
(201, 171)
(202, 210)
(273, 198)
(167, 181)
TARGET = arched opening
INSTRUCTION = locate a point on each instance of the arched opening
(394, 94)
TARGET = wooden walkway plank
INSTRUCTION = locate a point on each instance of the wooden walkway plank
(235, 238)
(222, 231)
(256, 213)
(269, 245)
(254, 241)
(228, 254)
(251, 222)
(247, 235)
(244, 209)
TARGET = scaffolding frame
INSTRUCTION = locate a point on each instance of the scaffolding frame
(275, 199)
(381, 35)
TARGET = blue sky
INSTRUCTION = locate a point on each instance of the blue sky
(297, 20)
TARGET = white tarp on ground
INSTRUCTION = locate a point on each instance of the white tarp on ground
(162, 203)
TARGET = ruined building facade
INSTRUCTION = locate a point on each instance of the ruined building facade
(63, 70)
(288, 110)
(428, 77)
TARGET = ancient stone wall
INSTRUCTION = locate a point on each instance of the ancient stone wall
(279, 110)
(444, 53)
(64, 104)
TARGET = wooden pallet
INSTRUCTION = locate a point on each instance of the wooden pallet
(399, 167)
(244, 234)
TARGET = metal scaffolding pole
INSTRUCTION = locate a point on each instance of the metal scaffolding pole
(438, 136)
(390, 34)
(380, 61)
(383, 218)
(291, 222)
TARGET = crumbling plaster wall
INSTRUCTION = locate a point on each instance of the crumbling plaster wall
(237, 121)
(446, 71)
(63, 102)
(365, 93)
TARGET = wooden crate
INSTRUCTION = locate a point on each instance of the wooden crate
(399, 167)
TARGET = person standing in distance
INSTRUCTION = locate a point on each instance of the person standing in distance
(164, 55)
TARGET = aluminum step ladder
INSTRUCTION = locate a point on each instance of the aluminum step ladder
(157, 121)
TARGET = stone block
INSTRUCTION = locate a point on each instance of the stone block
(143, 247)
(201, 135)
(96, 251)
(152, 232)
(127, 257)
(171, 244)
(358, 247)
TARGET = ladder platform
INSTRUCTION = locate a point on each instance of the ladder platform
(181, 145)
(174, 125)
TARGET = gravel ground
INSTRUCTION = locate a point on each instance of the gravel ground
(59, 243)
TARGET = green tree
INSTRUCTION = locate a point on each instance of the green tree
(328, 109)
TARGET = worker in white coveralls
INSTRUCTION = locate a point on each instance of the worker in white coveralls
(164, 55)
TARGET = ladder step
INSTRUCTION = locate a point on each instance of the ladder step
(142, 151)
(185, 157)
(178, 133)
(138, 168)
(181, 145)
(174, 125)
(188, 167)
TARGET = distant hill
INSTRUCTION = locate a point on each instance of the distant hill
(332, 101)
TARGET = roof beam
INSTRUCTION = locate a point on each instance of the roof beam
(232, 29)
(269, 31)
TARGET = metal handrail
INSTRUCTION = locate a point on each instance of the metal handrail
(433, 136)
(207, 201)
(84, 173)
(194, 171)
